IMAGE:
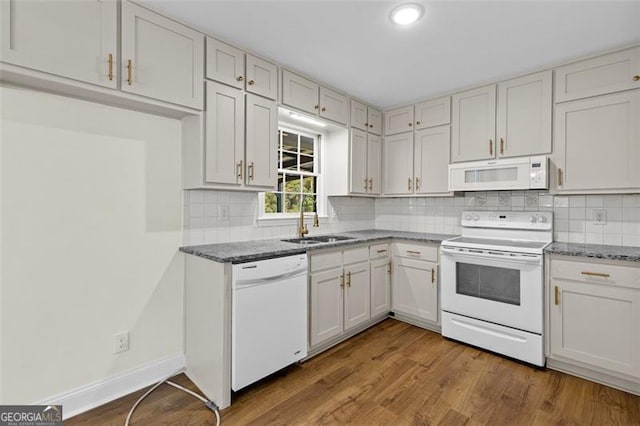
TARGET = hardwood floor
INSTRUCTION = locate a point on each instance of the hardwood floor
(393, 374)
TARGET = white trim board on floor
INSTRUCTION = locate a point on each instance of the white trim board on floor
(100, 392)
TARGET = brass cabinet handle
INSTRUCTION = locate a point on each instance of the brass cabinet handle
(349, 279)
(110, 66)
(557, 296)
(501, 146)
(409, 181)
(240, 78)
(417, 123)
(417, 184)
(596, 274)
(316, 106)
(433, 275)
(413, 252)
(366, 124)
(410, 124)
(370, 184)
(365, 184)
(490, 146)
(371, 125)
(239, 167)
(636, 78)
(251, 82)
(323, 109)
(129, 72)
(251, 167)
(342, 280)
(559, 177)
(389, 267)
(382, 251)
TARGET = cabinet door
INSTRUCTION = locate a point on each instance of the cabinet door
(69, 38)
(398, 120)
(374, 121)
(359, 182)
(598, 142)
(433, 113)
(474, 125)
(374, 163)
(262, 77)
(262, 142)
(224, 134)
(415, 288)
(326, 305)
(357, 301)
(225, 63)
(380, 286)
(605, 74)
(596, 324)
(359, 115)
(161, 59)
(299, 92)
(524, 116)
(431, 156)
(398, 164)
(334, 106)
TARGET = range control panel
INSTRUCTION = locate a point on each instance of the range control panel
(542, 221)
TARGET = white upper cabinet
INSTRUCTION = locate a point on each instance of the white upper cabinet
(431, 157)
(359, 177)
(474, 124)
(524, 116)
(374, 163)
(605, 74)
(334, 106)
(298, 92)
(597, 143)
(74, 39)
(359, 115)
(161, 59)
(398, 120)
(374, 121)
(261, 149)
(398, 164)
(262, 77)
(224, 144)
(433, 113)
(225, 63)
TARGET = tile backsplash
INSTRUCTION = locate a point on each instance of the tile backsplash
(223, 216)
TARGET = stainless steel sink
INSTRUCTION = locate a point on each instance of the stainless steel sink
(301, 241)
(331, 238)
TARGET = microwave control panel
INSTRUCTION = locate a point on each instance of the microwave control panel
(539, 177)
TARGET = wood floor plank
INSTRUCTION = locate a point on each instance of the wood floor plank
(393, 374)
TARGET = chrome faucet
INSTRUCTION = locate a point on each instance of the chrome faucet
(302, 228)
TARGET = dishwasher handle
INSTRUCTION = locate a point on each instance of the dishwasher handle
(269, 279)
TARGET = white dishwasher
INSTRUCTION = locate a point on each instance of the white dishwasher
(269, 317)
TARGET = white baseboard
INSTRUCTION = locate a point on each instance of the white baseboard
(102, 391)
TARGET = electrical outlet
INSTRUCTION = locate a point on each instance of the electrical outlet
(121, 342)
(223, 213)
(599, 217)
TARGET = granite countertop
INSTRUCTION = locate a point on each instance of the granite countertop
(599, 251)
(249, 251)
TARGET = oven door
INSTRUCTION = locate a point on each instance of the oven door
(500, 287)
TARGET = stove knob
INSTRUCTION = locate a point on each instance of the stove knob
(532, 219)
(542, 219)
(467, 217)
(476, 217)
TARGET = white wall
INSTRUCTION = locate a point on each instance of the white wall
(91, 222)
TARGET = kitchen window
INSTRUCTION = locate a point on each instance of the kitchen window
(298, 175)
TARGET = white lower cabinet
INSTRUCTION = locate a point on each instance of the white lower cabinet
(357, 306)
(415, 281)
(326, 305)
(380, 286)
(594, 317)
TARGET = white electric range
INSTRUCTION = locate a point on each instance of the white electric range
(492, 282)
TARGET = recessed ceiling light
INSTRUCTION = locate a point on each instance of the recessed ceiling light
(406, 14)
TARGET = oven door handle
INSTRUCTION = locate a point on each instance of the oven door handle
(488, 254)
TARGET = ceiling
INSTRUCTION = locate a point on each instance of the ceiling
(352, 45)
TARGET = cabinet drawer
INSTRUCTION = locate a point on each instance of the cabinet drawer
(416, 251)
(360, 254)
(321, 261)
(379, 250)
(624, 276)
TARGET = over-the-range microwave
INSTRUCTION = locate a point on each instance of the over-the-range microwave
(501, 174)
